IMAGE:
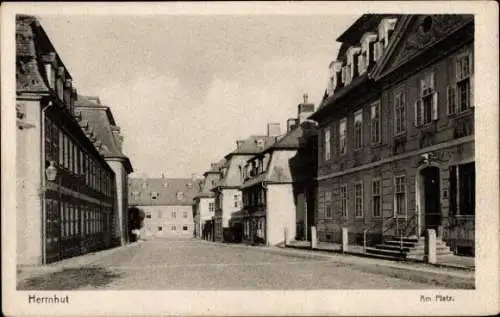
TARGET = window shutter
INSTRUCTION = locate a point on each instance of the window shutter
(435, 106)
(431, 81)
(423, 87)
(471, 91)
(418, 112)
(451, 100)
(458, 70)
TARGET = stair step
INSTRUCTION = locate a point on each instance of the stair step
(405, 239)
(398, 243)
(388, 252)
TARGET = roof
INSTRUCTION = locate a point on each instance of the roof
(170, 191)
(249, 145)
(365, 23)
(102, 122)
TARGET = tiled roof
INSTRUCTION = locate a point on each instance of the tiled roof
(100, 118)
(250, 145)
(170, 191)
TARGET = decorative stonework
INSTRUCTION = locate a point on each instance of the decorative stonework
(428, 30)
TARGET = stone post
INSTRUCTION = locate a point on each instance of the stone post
(314, 242)
(285, 242)
(430, 246)
(345, 239)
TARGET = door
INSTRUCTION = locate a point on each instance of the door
(432, 206)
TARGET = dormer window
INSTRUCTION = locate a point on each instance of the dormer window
(366, 58)
(165, 185)
(260, 144)
(385, 29)
(352, 63)
(154, 195)
(180, 195)
(335, 77)
(144, 185)
(51, 75)
(189, 185)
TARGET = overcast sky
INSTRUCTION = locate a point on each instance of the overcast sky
(183, 89)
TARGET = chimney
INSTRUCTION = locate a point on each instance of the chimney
(116, 134)
(239, 143)
(291, 124)
(305, 109)
(273, 129)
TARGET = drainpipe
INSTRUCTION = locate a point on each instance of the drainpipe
(44, 183)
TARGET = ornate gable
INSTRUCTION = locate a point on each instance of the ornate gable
(415, 35)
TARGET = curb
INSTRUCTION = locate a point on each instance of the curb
(409, 260)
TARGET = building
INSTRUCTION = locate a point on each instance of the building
(277, 185)
(109, 141)
(167, 204)
(204, 203)
(65, 189)
(227, 190)
(396, 144)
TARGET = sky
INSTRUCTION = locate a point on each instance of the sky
(184, 88)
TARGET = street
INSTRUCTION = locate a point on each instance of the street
(162, 264)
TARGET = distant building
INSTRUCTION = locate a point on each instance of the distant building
(65, 189)
(167, 204)
(204, 203)
(396, 147)
(109, 141)
(278, 185)
(227, 190)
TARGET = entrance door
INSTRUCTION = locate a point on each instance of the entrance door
(432, 208)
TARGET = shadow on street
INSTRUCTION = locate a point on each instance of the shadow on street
(70, 279)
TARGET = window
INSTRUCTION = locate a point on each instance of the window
(321, 201)
(343, 200)
(460, 96)
(211, 207)
(358, 199)
(358, 129)
(235, 201)
(375, 122)
(154, 195)
(159, 214)
(184, 214)
(173, 228)
(342, 136)
(144, 185)
(327, 144)
(376, 200)
(328, 205)
(426, 107)
(399, 113)
(174, 215)
(400, 196)
(148, 215)
(180, 195)
(165, 185)
(160, 228)
(184, 228)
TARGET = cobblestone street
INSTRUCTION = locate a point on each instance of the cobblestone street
(162, 264)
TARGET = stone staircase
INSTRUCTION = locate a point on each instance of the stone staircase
(396, 248)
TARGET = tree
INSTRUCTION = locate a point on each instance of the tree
(135, 220)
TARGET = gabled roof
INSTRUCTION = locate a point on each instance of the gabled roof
(171, 191)
(406, 42)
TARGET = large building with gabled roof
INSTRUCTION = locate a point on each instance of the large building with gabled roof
(396, 135)
(227, 189)
(167, 204)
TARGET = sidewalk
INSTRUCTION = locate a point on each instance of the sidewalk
(451, 261)
(30, 271)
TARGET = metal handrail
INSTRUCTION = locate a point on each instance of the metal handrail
(365, 231)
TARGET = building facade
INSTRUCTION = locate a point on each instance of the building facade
(204, 203)
(109, 141)
(276, 188)
(396, 132)
(65, 189)
(228, 200)
(167, 204)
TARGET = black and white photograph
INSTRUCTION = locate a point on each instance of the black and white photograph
(305, 158)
